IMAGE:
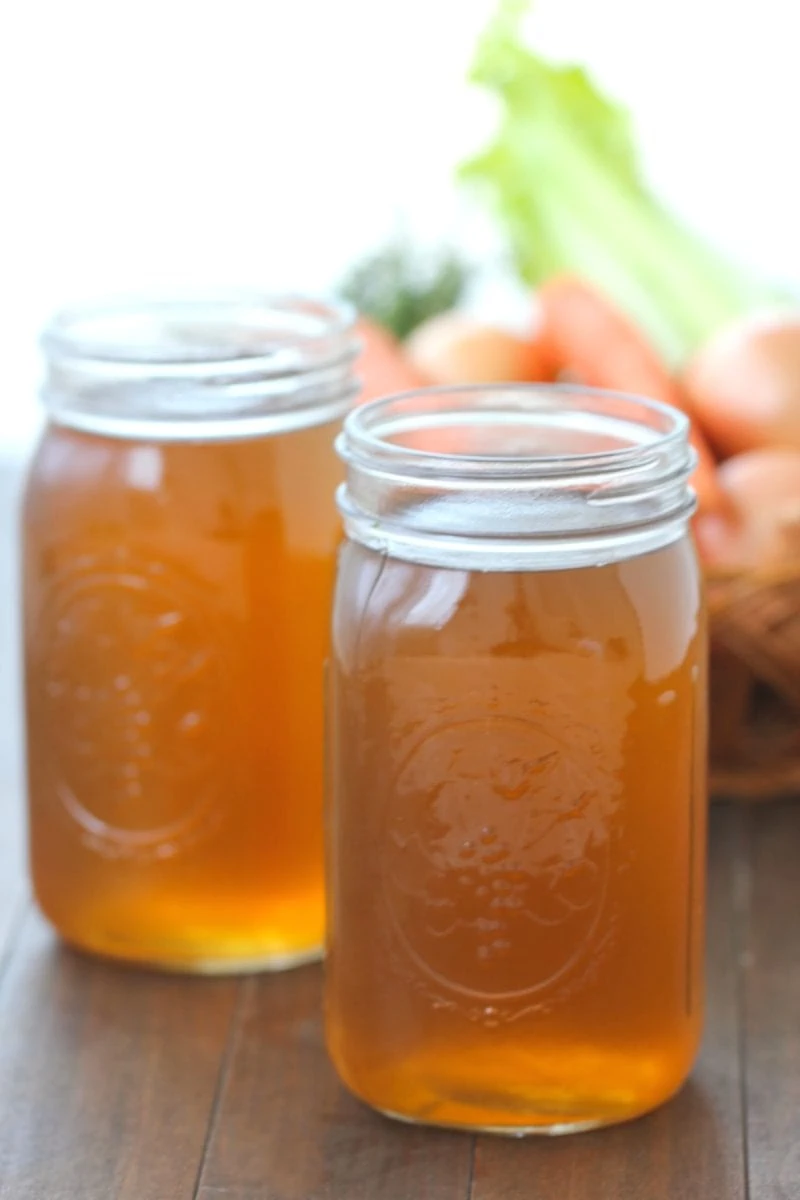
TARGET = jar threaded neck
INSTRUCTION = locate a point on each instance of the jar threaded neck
(231, 364)
(514, 477)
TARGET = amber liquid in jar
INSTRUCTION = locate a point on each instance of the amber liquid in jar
(517, 931)
(517, 838)
(176, 597)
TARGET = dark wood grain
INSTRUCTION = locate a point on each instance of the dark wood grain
(107, 1076)
(286, 1130)
(691, 1149)
(771, 968)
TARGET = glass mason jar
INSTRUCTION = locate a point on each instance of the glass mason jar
(179, 541)
(517, 812)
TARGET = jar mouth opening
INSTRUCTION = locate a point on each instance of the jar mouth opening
(273, 335)
(510, 431)
(206, 364)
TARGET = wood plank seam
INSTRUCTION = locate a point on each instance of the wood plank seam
(21, 908)
(741, 905)
(243, 994)
(471, 1172)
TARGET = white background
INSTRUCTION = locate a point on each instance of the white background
(270, 141)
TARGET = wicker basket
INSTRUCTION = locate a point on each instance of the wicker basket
(755, 682)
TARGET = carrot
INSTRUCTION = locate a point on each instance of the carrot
(382, 364)
(584, 335)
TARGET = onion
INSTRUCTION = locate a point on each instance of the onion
(763, 487)
(744, 385)
(451, 349)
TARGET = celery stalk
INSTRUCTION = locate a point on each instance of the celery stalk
(561, 174)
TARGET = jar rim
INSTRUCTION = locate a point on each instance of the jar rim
(541, 475)
(366, 437)
(206, 362)
(76, 330)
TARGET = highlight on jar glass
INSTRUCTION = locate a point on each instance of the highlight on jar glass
(179, 541)
(517, 781)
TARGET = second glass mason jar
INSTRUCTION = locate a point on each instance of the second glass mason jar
(516, 822)
(179, 537)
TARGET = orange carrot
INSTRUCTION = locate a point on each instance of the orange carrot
(382, 365)
(585, 336)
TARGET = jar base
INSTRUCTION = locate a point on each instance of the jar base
(535, 1129)
(518, 1109)
(246, 965)
(175, 938)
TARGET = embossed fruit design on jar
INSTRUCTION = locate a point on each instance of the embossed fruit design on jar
(517, 793)
(179, 536)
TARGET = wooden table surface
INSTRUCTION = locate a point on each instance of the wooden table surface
(124, 1085)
